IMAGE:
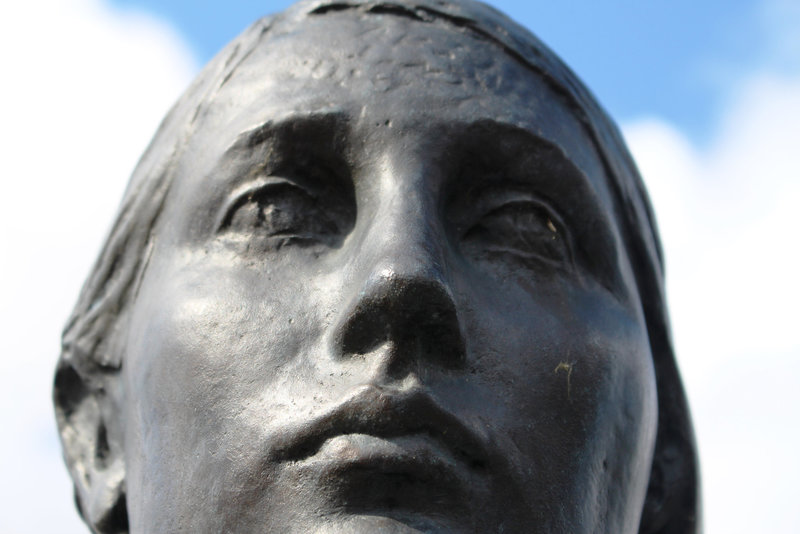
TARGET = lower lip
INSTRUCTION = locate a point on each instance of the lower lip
(412, 474)
(359, 447)
(415, 455)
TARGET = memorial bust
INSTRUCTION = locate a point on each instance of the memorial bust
(385, 267)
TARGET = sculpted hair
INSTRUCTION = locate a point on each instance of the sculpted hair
(93, 335)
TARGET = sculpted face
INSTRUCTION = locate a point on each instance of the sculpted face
(387, 293)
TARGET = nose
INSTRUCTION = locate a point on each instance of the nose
(402, 306)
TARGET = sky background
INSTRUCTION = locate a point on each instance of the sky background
(707, 95)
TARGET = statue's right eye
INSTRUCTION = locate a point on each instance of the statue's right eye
(279, 212)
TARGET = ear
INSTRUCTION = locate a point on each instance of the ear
(90, 430)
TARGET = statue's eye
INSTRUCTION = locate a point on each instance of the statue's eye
(284, 212)
(524, 229)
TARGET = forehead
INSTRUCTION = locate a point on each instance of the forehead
(375, 61)
(372, 65)
(381, 69)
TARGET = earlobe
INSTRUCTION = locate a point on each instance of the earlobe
(90, 434)
(107, 509)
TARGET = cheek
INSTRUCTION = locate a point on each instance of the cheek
(575, 381)
(615, 393)
(201, 344)
(207, 365)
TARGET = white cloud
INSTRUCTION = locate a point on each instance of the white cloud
(84, 89)
(729, 220)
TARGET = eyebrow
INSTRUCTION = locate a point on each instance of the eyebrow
(322, 122)
(320, 135)
(487, 140)
(329, 129)
(287, 146)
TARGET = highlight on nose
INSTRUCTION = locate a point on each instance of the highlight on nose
(414, 312)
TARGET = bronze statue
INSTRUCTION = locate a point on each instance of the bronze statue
(385, 267)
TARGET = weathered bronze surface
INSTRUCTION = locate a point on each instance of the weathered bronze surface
(385, 267)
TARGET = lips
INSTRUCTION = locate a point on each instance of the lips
(383, 413)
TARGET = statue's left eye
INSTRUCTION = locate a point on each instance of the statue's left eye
(523, 228)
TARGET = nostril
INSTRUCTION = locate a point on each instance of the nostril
(440, 339)
(418, 316)
(364, 330)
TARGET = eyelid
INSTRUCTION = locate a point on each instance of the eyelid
(241, 194)
(497, 198)
(490, 201)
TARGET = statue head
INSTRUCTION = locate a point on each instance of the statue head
(385, 267)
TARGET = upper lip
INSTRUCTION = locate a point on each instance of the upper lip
(382, 412)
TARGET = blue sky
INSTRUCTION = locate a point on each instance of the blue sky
(707, 95)
(652, 57)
